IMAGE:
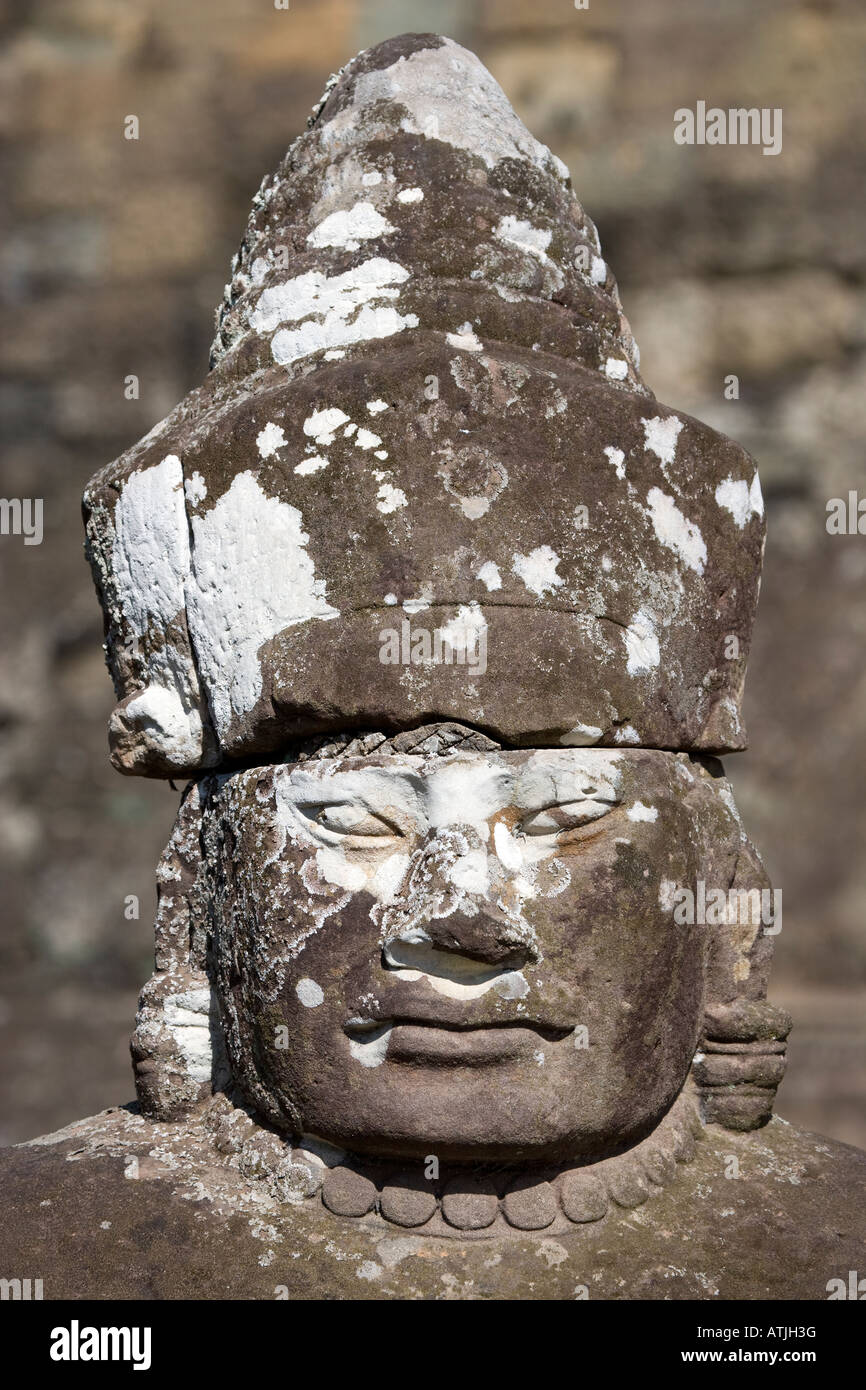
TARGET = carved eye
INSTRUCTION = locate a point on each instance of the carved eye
(345, 819)
(559, 820)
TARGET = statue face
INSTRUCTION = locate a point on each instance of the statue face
(472, 955)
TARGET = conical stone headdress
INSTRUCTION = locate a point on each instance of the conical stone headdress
(425, 409)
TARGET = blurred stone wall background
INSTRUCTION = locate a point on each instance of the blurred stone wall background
(113, 254)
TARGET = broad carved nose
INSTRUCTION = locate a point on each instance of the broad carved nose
(487, 936)
(448, 906)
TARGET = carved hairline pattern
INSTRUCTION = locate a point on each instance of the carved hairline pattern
(428, 740)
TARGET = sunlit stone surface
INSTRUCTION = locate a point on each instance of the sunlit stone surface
(459, 932)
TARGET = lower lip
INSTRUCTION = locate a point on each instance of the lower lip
(411, 1042)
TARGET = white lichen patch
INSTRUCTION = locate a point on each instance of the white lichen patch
(270, 439)
(616, 368)
(310, 994)
(187, 1016)
(335, 868)
(170, 724)
(741, 499)
(641, 644)
(490, 576)
(390, 498)
(517, 232)
(347, 228)
(553, 1253)
(507, 847)
(660, 436)
(538, 570)
(150, 558)
(581, 736)
(388, 877)
(259, 269)
(195, 489)
(410, 195)
(730, 704)
(313, 464)
(431, 85)
(675, 531)
(150, 563)
(532, 241)
(512, 985)
(421, 602)
(557, 406)
(464, 631)
(332, 311)
(251, 579)
(376, 407)
(617, 458)
(369, 1048)
(638, 811)
(465, 338)
(366, 439)
(322, 425)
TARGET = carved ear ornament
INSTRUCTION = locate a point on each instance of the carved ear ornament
(741, 1062)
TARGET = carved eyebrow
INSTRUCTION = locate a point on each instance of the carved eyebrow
(353, 782)
(396, 797)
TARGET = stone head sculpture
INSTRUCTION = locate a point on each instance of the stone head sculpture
(446, 618)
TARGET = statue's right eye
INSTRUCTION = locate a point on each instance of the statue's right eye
(344, 818)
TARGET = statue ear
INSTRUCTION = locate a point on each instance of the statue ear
(741, 1060)
(177, 1046)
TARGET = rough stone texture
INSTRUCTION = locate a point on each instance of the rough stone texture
(122, 246)
(348, 1194)
(407, 1201)
(507, 474)
(378, 947)
(172, 1047)
(792, 1221)
(628, 1188)
(584, 1198)
(470, 1203)
(530, 1205)
(299, 909)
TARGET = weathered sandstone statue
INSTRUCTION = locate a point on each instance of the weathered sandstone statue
(461, 947)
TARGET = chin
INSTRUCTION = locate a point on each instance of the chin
(479, 1114)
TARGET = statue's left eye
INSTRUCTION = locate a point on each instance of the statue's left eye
(346, 819)
(558, 820)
